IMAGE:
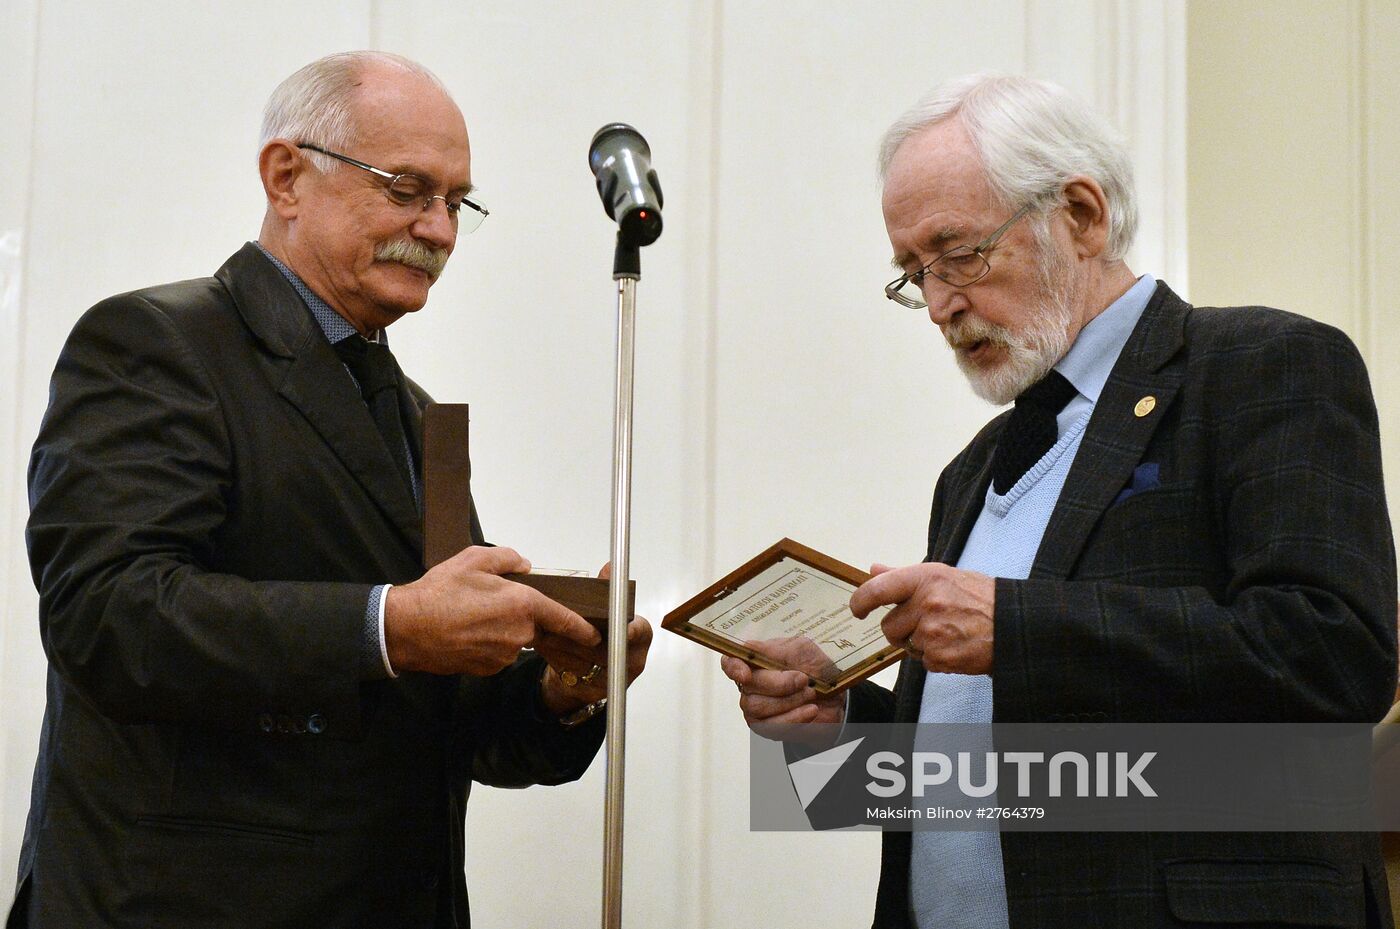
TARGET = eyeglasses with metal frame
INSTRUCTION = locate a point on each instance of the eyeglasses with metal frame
(410, 189)
(957, 267)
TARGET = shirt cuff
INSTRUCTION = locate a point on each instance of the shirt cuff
(374, 651)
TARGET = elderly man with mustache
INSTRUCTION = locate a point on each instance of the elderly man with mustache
(261, 711)
(1182, 520)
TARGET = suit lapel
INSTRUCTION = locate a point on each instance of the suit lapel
(966, 496)
(1118, 432)
(966, 490)
(316, 384)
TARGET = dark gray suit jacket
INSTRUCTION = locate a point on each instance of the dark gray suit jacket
(1256, 583)
(211, 504)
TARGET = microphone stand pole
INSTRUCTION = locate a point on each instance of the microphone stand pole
(627, 270)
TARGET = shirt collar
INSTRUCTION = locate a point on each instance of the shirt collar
(335, 327)
(1090, 360)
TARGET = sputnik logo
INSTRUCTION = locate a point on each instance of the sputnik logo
(811, 774)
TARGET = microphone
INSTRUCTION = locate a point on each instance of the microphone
(621, 161)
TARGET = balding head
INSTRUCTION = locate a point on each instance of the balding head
(317, 103)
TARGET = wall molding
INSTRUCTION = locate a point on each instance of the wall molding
(1131, 65)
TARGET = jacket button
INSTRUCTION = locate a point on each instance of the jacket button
(284, 724)
(316, 724)
(265, 722)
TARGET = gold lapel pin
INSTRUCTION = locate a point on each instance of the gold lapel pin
(1144, 406)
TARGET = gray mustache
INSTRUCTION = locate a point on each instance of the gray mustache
(414, 254)
(967, 332)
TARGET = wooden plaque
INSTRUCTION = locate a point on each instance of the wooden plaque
(447, 517)
(447, 482)
(788, 609)
(586, 596)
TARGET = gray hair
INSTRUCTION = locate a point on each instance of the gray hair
(1032, 136)
(314, 104)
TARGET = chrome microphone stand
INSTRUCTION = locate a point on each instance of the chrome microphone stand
(627, 270)
(620, 160)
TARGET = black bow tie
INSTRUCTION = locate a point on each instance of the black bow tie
(1031, 430)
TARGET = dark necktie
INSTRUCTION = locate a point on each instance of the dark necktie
(1031, 430)
(373, 366)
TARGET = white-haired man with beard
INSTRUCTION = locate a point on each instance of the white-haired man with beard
(1181, 520)
(261, 711)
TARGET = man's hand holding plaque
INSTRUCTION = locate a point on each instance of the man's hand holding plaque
(562, 615)
(577, 674)
(779, 704)
(788, 610)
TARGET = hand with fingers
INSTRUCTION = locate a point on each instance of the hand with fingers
(577, 675)
(780, 704)
(799, 653)
(462, 617)
(943, 616)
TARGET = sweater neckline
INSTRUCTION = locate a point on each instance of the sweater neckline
(1001, 504)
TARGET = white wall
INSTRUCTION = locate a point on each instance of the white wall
(777, 392)
(1293, 138)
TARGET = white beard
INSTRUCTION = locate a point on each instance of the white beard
(1031, 351)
